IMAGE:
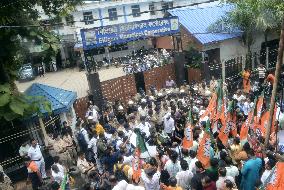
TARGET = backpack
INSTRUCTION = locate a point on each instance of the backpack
(82, 141)
(119, 173)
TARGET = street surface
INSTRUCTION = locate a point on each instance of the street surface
(71, 79)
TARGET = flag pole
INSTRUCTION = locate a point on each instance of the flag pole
(275, 84)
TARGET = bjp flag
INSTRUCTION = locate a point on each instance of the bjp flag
(233, 121)
(210, 108)
(136, 166)
(259, 108)
(187, 141)
(245, 127)
(203, 152)
(275, 180)
(261, 128)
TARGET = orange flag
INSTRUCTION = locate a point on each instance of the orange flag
(203, 152)
(276, 179)
(245, 127)
(259, 108)
(136, 166)
(187, 141)
(233, 121)
(261, 128)
(210, 108)
(226, 127)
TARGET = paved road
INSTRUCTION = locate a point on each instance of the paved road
(71, 79)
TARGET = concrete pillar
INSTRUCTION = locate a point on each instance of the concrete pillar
(223, 70)
(267, 57)
(41, 124)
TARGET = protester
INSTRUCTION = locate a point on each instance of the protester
(140, 144)
(34, 153)
(250, 171)
(246, 80)
(261, 73)
(34, 175)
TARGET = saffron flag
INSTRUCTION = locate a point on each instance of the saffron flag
(210, 108)
(140, 148)
(234, 129)
(203, 152)
(136, 166)
(263, 124)
(259, 107)
(187, 141)
(247, 124)
(276, 179)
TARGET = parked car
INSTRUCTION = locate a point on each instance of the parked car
(26, 72)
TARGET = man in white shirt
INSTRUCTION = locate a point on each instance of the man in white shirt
(173, 165)
(184, 177)
(169, 124)
(144, 126)
(220, 183)
(191, 165)
(151, 179)
(269, 164)
(23, 151)
(35, 154)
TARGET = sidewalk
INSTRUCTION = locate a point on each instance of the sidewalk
(71, 79)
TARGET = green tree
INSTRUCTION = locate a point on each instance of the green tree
(19, 21)
(252, 16)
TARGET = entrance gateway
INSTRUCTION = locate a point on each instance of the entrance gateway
(120, 34)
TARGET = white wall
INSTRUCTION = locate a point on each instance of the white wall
(121, 5)
(232, 48)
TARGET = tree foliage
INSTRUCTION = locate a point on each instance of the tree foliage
(19, 21)
(251, 16)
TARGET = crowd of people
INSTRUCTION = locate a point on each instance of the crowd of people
(144, 60)
(195, 137)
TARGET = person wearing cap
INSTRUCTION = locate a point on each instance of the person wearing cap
(120, 114)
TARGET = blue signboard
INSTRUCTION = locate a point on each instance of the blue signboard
(122, 33)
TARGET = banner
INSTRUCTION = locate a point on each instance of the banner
(126, 32)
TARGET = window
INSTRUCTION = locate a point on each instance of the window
(166, 6)
(135, 10)
(69, 20)
(152, 9)
(88, 18)
(112, 14)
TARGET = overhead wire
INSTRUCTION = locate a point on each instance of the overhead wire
(104, 18)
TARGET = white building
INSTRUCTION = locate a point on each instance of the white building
(108, 12)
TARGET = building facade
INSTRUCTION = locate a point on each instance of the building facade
(93, 14)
